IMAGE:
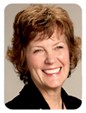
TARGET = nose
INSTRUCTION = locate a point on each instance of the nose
(50, 58)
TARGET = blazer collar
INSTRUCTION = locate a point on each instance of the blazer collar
(32, 96)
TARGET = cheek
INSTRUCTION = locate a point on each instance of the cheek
(64, 56)
(34, 62)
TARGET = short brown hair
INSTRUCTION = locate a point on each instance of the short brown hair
(40, 18)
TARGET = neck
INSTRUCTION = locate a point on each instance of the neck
(52, 97)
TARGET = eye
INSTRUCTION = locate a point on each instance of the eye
(59, 47)
(38, 51)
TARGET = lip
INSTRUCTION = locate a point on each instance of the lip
(52, 71)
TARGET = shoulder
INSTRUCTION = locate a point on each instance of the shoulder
(15, 103)
(71, 102)
(28, 98)
(18, 102)
(74, 102)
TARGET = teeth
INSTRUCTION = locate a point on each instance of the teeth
(52, 71)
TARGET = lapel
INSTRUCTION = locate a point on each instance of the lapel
(32, 97)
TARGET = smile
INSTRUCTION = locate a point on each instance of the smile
(52, 71)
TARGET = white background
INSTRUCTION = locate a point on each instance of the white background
(3, 4)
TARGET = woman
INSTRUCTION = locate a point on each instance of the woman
(44, 51)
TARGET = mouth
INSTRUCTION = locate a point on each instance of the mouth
(52, 71)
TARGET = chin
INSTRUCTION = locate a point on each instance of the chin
(54, 85)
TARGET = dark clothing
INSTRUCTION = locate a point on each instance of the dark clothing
(31, 98)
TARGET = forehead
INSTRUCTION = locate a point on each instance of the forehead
(56, 35)
(43, 39)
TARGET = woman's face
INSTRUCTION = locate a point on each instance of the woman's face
(48, 60)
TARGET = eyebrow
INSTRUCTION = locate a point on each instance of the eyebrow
(36, 47)
(58, 43)
(40, 46)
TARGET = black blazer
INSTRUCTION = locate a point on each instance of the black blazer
(31, 98)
